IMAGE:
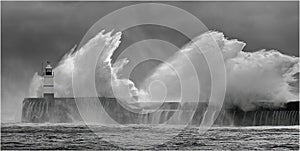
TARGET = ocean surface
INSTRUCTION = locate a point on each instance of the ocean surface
(80, 136)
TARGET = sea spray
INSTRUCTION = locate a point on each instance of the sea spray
(251, 76)
(106, 73)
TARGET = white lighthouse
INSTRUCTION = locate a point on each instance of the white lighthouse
(48, 86)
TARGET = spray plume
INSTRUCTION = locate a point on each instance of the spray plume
(251, 76)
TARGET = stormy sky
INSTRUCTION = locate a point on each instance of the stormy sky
(33, 32)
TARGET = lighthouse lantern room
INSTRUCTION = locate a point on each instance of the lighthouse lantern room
(48, 86)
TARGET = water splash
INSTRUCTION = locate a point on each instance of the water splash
(106, 73)
(251, 76)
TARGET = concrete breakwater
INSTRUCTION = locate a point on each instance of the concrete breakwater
(66, 110)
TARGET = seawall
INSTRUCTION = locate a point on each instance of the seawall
(59, 110)
(66, 110)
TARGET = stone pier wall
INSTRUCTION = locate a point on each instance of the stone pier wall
(65, 110)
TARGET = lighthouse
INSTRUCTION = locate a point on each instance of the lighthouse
(48, 86)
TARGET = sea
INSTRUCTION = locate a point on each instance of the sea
(23, 136)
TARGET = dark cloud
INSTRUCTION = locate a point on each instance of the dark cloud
(33, 32)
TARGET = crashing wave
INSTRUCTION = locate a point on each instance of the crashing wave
(251, 76)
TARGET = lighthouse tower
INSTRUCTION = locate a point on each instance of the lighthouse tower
(48, 86)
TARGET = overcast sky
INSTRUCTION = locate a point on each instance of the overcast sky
(33, 32)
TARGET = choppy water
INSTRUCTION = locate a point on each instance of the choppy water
(70, 136)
